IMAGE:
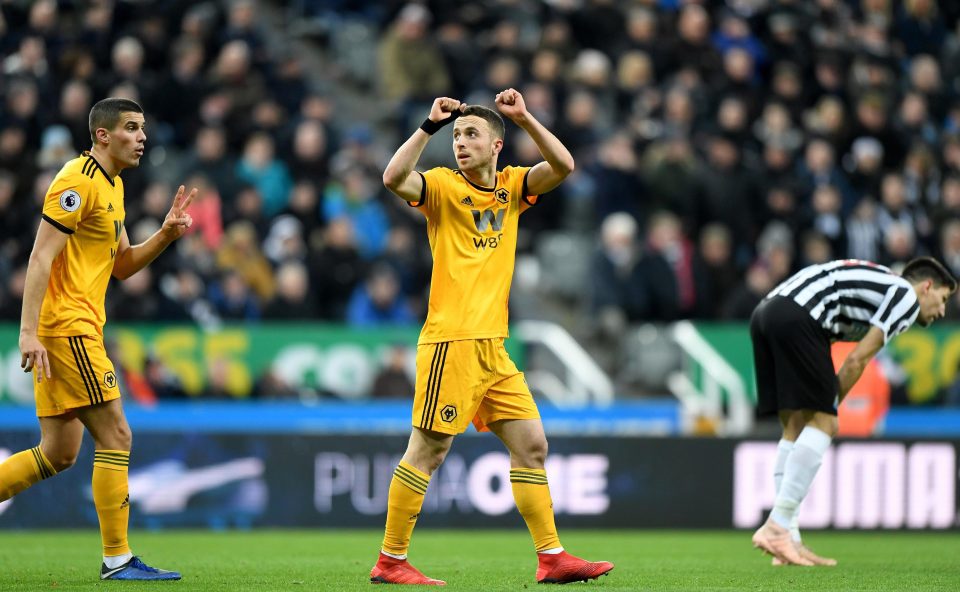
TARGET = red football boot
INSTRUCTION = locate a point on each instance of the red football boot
(562, 568)
(389, 570)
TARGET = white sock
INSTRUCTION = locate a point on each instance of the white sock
(795, 527)
(800, 469)
(114, 561)
(555, 551)
(400, 557)
(784, 448)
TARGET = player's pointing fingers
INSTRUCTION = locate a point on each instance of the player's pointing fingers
(186, 202)
(178, 197)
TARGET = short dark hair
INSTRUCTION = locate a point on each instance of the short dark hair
(492, 118)
(928, 268)
(106, 114)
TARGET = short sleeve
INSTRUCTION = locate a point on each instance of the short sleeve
(527, 201)
(67, 202)
(897, 312)
(432, 181)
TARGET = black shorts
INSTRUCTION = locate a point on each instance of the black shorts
(791, 358)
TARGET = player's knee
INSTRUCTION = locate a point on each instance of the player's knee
(535, 453)
(831, 427)
(426, 458)
(61, 460)
(434, 458)
(124, 437)
(120, 438)
(827, 424)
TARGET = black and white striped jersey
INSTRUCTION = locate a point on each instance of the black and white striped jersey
(849, 296)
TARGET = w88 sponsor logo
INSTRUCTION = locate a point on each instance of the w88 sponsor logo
(482, 242)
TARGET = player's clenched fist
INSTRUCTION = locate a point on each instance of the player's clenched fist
(443, 107)
(510, 103)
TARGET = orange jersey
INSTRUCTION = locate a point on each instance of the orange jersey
(473, 238)
(85, 203)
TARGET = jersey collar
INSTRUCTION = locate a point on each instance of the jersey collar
(474, 185)
(99, 166)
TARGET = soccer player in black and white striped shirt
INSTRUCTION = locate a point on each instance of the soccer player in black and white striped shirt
(791, 331)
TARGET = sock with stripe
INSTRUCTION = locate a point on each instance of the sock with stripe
(22, 470)
(110, 496)
(404, 501)
(532, 496)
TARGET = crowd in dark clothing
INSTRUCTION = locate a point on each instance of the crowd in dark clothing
(290, 218)
(719, 145)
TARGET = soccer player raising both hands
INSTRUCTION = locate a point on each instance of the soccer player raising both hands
(81, 242)
(464, 374)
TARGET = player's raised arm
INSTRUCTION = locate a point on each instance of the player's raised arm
(399, 176)
(131, 259)
(559, 162)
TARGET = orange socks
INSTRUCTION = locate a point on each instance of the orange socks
(407, 489)
(532, 495)
(22, 470)
(110, 496)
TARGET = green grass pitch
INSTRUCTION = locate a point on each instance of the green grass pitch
(333, 560)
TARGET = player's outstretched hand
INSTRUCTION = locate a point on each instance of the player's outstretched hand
(443, 108)
(510, 103)
(178, 220)
(34, 355)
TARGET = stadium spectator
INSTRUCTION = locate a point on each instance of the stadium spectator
(259, 167)
(305, 207)
(616, 283)
(354, 196)
(715, 256)
(729, 191)
(11, 299)
(138, 300)
(744, 298)
(866, 162)
(240, 252)
(827, 218)
(379, 301)
(75, 102)
(392, 380)
(412, 69)
(336, 268)
(292, 300)
(285, 241)
(232, 298)
(674, 285)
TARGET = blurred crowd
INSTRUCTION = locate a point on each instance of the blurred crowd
(291, 221)
(720, 146)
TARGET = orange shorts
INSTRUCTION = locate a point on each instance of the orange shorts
(82, 375)
(468, 380)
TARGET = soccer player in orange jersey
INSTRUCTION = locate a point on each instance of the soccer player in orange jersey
(464, 374)
(80, 243)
